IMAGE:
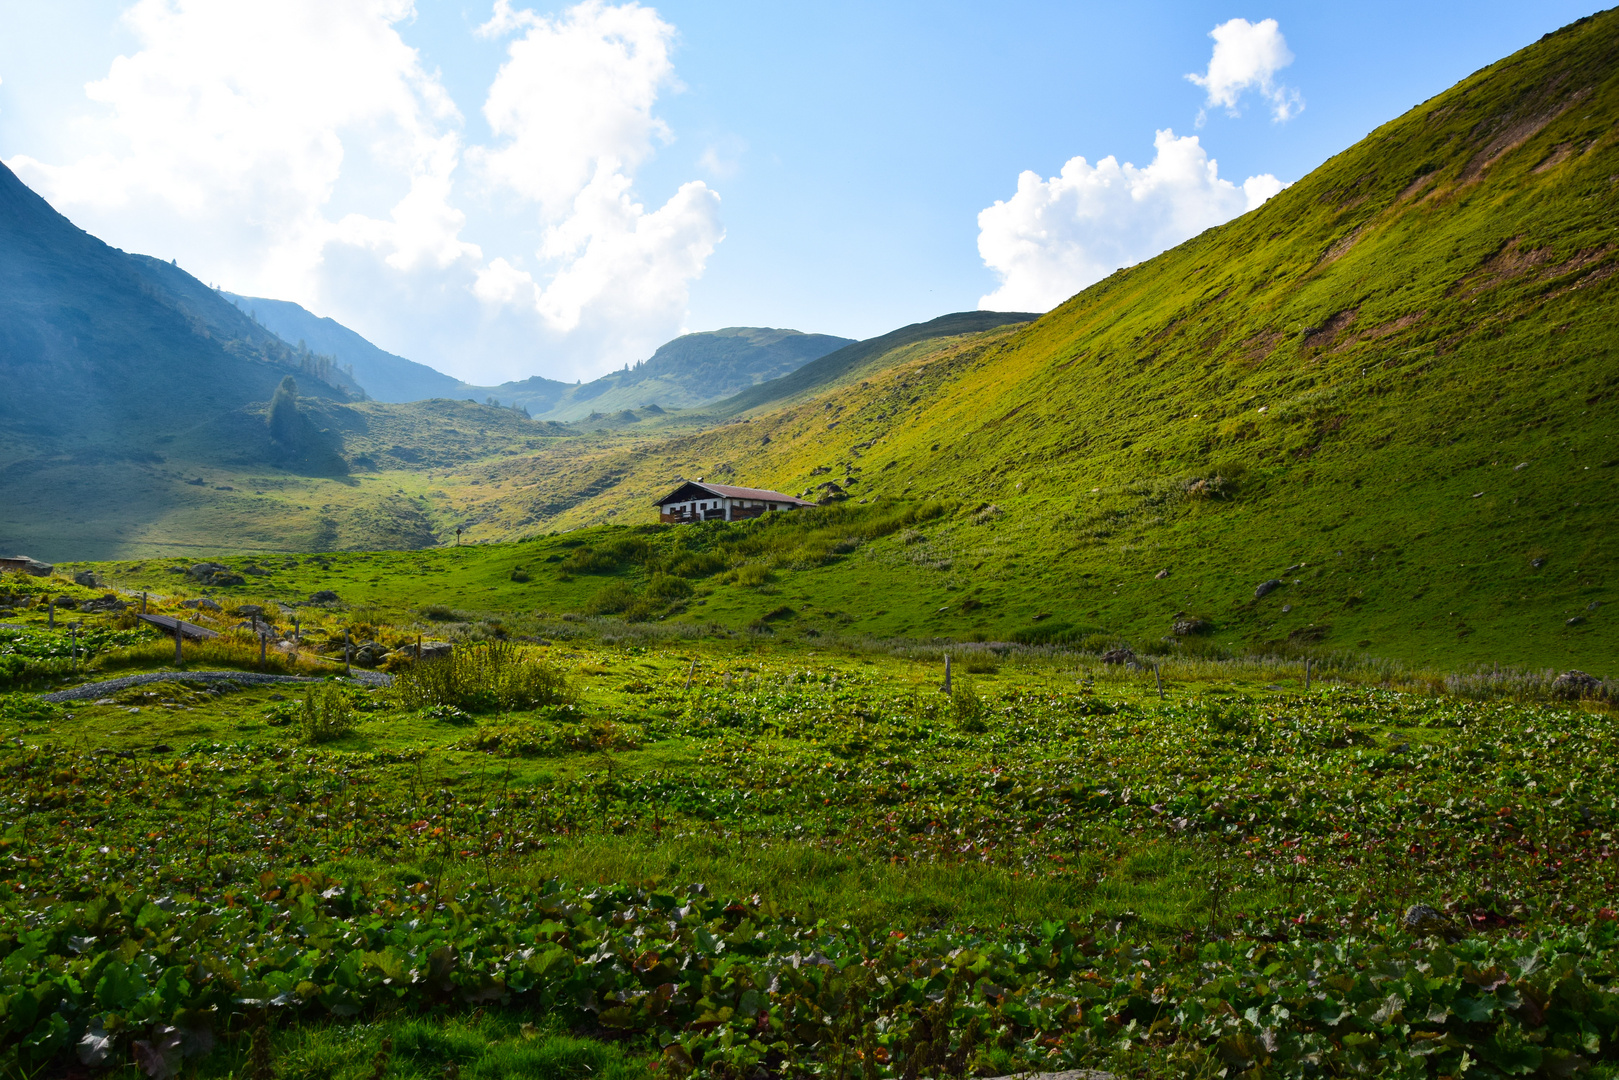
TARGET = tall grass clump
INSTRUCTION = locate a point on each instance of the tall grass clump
(326, 714)
(483, 677)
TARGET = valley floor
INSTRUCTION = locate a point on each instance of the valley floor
(584, 845)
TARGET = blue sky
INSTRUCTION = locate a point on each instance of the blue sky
(815, 166)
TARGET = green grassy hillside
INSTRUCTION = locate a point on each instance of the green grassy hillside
(1390, 388)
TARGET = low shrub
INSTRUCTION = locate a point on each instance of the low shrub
(482, 677)
(325, 714)
(667, 589)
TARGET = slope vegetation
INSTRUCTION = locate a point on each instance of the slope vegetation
(1389, 391)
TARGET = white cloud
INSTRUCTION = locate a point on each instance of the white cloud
(1246, 57)
(606, 251)
(1056, 236)
(299, 149)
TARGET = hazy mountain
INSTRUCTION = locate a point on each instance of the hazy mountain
(384, 376)
(693, 369)
(107, 350)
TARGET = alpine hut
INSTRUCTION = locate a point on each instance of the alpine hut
(694, 500)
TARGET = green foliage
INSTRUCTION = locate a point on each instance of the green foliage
(481, 677)
(966, 705)
(325, 714)
(617, 598)
(286, 422)
(25, 708)
(668, 589)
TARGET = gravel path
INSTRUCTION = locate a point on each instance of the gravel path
(101, 689)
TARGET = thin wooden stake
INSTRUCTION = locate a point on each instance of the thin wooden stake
(50, 614)
(263, 638)
(1160, 679)
(689, 673)
(73, 648)
(178, 656)
(346, 669)
(418, 646)
(143, 603)
(945, 689)
(1306, 674)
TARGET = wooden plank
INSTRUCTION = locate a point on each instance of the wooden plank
(190, 630)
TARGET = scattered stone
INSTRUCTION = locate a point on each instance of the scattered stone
(1267, 587)
(109, 604)
(830, 493)
(1520, 465)
(1190, 627)
(85, 578)
(1575, 684)
(434, 650)
(1593, 605)
(1119, 656)
(1422, 919)
(67, 603)
(278, 697)
(1161, 575)
(206, 569)
(104, 701)
(1538, 562)
(1578, 620)
(325, 596)
(256, 571)
(251, 610)
(1286, 608)
(370, 654)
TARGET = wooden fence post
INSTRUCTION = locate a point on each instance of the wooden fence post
(73, 647)
(945, 689)
(263, 639)
(179, 658)
(143, 603)
(346, 669)
(1160, 680)
(50, 614)
(1306, 674)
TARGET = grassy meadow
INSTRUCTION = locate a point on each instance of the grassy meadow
(677, 839)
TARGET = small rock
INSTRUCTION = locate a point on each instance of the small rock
(277, 697)
(1537, 563)
(85, 578)
(1286, 608)
(1119, 656)
(1575, 684)
(1422, 919)
(104, 701)
(1520, 465)
(1190, 627)
(1577, 620)
(1161, 575)
(251, 609)
(1266, 588)
(1593, 605)
(325, 596)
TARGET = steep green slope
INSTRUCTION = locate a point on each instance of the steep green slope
(852, 360)
(1390, 390)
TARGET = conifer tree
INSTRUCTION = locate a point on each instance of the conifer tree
(285, 420)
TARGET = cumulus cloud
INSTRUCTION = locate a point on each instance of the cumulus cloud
(1246, 57)
(1055, 236)
(299, 149)
(609, 255)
